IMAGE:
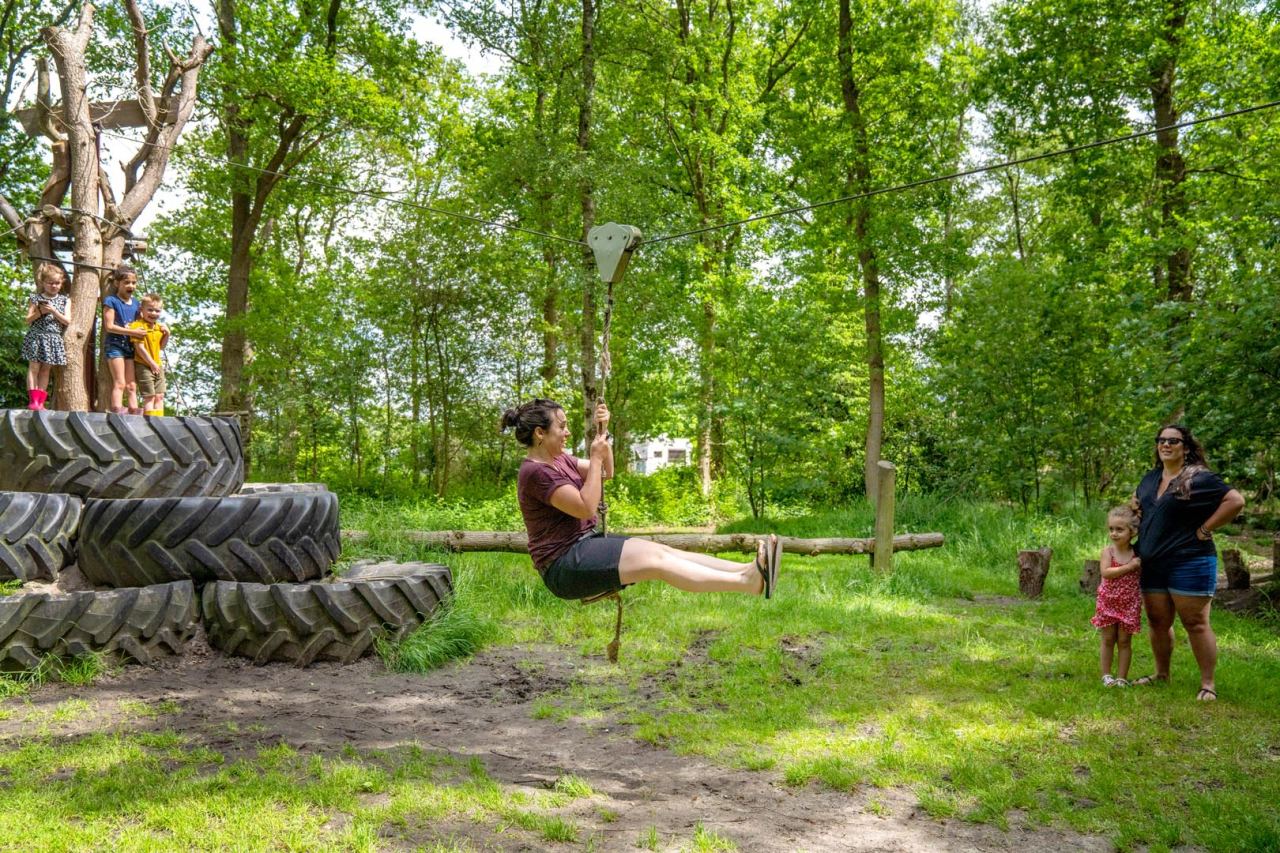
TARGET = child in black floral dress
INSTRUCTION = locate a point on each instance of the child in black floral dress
(48, 313)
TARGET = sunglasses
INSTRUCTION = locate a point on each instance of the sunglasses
(1169, 442)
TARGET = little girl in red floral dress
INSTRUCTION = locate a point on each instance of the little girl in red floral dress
(1119, 609)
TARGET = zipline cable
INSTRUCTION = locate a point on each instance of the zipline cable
(967, 173)
(380, 195)
(383, 196)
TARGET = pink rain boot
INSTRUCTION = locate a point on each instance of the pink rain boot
(33, 396)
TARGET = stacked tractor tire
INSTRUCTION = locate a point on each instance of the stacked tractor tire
(155, 514)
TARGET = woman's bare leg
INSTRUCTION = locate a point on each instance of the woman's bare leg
(1193, 610)
(707, 560)
(643, 560)
(1160, 615)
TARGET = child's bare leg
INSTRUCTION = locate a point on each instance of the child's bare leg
(1124, 652)
(130, 383)
(42, 377)
(1107, 648)
(33, 376)
(643, 560)
(117, 381)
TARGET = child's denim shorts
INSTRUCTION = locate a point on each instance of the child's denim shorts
(118, 349)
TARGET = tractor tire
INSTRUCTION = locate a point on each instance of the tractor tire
(303, 623)
(266, 538)
(273, 488)
(141, 625)
(96, 455)
(37, 534)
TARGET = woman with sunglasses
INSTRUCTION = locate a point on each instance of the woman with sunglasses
(1182, 502)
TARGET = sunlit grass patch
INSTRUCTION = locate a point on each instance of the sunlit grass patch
(165, 790)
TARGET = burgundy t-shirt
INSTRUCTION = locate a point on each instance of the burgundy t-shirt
(551, 531)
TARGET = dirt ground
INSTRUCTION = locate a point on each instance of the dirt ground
(483, 709)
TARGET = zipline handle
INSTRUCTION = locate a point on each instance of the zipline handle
(613, 245)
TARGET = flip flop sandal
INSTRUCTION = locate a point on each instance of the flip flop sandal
(765, 571)
(1147, 681)
(1207, 694)
(775, 563)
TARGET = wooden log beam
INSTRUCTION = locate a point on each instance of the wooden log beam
(705, 543)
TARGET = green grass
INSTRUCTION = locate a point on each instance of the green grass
(937, 679)
(456, 632)
(162, 791)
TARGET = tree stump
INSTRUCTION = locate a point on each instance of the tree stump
(1033, 567)
(1237, 571)
(1091, 577)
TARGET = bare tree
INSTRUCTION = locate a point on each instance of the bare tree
(100, 223)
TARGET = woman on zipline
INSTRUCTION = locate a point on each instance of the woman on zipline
(558, 496)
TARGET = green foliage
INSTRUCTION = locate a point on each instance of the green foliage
(1028, 336)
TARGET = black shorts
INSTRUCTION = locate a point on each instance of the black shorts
(588, 568)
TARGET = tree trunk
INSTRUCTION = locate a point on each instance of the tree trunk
(1171, 169)
(232, 397)
(1090, 577)
(1236, 570)
(1033, 568)
(68, 49)
(706, 392)
(859, 180)
(415, 392)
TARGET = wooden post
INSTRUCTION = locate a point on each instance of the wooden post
(1237, 572)
(1091, 577)
(1033, 567)
(882, 557)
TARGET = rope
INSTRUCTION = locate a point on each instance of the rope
(605, 368)
(616, 643)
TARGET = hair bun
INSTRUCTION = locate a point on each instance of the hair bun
(510, 418)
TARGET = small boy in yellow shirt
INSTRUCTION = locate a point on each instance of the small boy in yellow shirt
(148, 367)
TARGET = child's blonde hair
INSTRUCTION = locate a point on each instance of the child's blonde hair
(48, 272)
(1125, 514)
(153, 298)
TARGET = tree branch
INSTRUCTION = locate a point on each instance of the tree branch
(162, 137)
(12, 219)
(1218, 170)
(779, 67)
(142, 59)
